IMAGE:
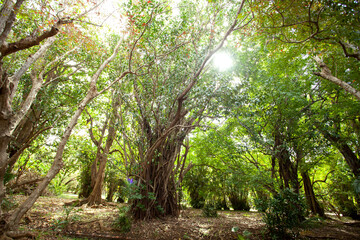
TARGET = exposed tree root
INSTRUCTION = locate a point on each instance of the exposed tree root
(79, 203)
(11, 235)
(97, 236)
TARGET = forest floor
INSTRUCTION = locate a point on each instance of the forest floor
(49, 220)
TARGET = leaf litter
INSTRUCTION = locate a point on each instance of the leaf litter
(50, 220)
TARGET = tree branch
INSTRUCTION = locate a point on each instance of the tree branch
(355, 55)
(326, 74)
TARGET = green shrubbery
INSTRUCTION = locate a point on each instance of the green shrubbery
(209, 211)
(283, 214)
(239, 201)
(123, 221)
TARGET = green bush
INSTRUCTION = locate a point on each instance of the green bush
(196, 184)
(197, 202)
(284, 212)
(123, 221)
(220, 204)
(239, 202)
(209, 211)
(261, 204)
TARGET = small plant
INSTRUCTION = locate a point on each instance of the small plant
(209, 211)
(284, 212)
(123, 221)
(8, 203)
(246, 235)
(67, 218)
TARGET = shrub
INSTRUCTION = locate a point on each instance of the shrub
(123, 221)
(261, 204)
(220, 204)
(284, 212)
(239, 202)
(209, 211)
(197, 202)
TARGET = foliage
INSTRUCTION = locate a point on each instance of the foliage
(343, 193)
(68, 217)
(86, 157)
(257, 126)
(9, 203)
(284, 212)
(246, 235)
(195, 182)
(209, 210)
(239, 201)
(356, 185)
(123, 221)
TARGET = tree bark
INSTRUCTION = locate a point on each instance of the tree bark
(113, 187)
(350, 157)
(326, 74)
(102, 155)
(14, 219)
(95, 195)
(310, 196)
(156, 179)
(8, 119)
(287, 169)
(157, 184)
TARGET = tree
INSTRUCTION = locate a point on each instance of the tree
(326, 30)
(170, 99)
(9, 87)
(274, 113)
(13, 42)
(99, 165)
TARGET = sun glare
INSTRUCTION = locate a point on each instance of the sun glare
(222, 61)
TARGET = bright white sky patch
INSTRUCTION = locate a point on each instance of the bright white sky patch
(222, 61)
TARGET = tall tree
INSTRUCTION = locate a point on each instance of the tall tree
(103, 144)
(171, 99)
(16, 40)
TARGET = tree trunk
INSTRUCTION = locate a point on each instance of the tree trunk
(310, 196)
(326, 74)
(351, 159)
(20, 211)
(95, 195)
(8, 119)
(101, 158)
(4, 142)
(112, 190)
(16, 216)
(5, 136)
(287, 169)
(157, 181)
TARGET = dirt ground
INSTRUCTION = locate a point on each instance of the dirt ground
(49, 220)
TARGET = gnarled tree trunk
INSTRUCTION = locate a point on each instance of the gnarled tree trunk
(310, 196)
(287, 168)
(157, 182)
(98, 173)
